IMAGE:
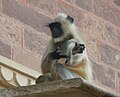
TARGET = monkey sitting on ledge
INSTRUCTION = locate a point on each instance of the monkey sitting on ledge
(65, 56)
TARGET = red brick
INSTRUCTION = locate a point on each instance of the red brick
(92, 49)
(26, 15)
(85, 4)
(93, 27)
(5, 50)
(118, 36)
(0, 6)
(110, 55)
(110, 34)
(35, 42)
(21, 1)
(119, 82)
(104, 75)
(48, 6)
(107, 10)
(28, 59)
(71, 1)
(10, 29)
(117, 2)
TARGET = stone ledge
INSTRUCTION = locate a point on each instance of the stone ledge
(61, 88)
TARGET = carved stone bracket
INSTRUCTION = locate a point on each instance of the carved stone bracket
(14, 74)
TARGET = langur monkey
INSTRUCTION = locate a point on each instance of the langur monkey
(65, 56)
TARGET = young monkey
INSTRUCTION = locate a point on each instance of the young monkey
(65, 56)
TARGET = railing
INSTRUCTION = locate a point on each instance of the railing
(13, 74)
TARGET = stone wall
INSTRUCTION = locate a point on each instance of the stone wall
(23, 35)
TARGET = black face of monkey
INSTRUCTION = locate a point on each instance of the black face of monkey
(56, 29)
(70, 19)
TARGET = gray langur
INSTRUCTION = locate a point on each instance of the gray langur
(65, 56)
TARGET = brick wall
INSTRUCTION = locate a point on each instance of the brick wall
(23, 35)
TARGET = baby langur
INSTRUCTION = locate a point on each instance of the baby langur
(65, 56)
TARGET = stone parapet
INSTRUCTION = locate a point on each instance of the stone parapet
(13, 74)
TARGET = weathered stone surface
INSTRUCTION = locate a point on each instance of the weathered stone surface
(70, 10)
(104, 75)
(93, 27)
(48, 6)
(85, 4)
(106, 10)
(92, 48)
(35, 42)
(117, 2)
(70, 88)
(71, 1)
(5, 50)
(118, 36)
(110, 55)
(0, 6)
(26, 15)
(28, 59)
(10, 29)
(118, 84)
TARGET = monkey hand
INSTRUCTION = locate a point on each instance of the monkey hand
(57, 54)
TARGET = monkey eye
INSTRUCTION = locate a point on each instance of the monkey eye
(70, 19)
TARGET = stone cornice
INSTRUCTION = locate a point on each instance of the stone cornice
(61, 88)
(14, 74)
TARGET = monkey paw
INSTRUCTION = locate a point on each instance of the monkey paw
(57, 54)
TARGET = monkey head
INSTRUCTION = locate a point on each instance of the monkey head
(56, 29)
(60, 24)
(64, 19)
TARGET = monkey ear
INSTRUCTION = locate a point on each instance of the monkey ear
(70, 19)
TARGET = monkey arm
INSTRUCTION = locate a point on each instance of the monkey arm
(46, 64)
(49, 60)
